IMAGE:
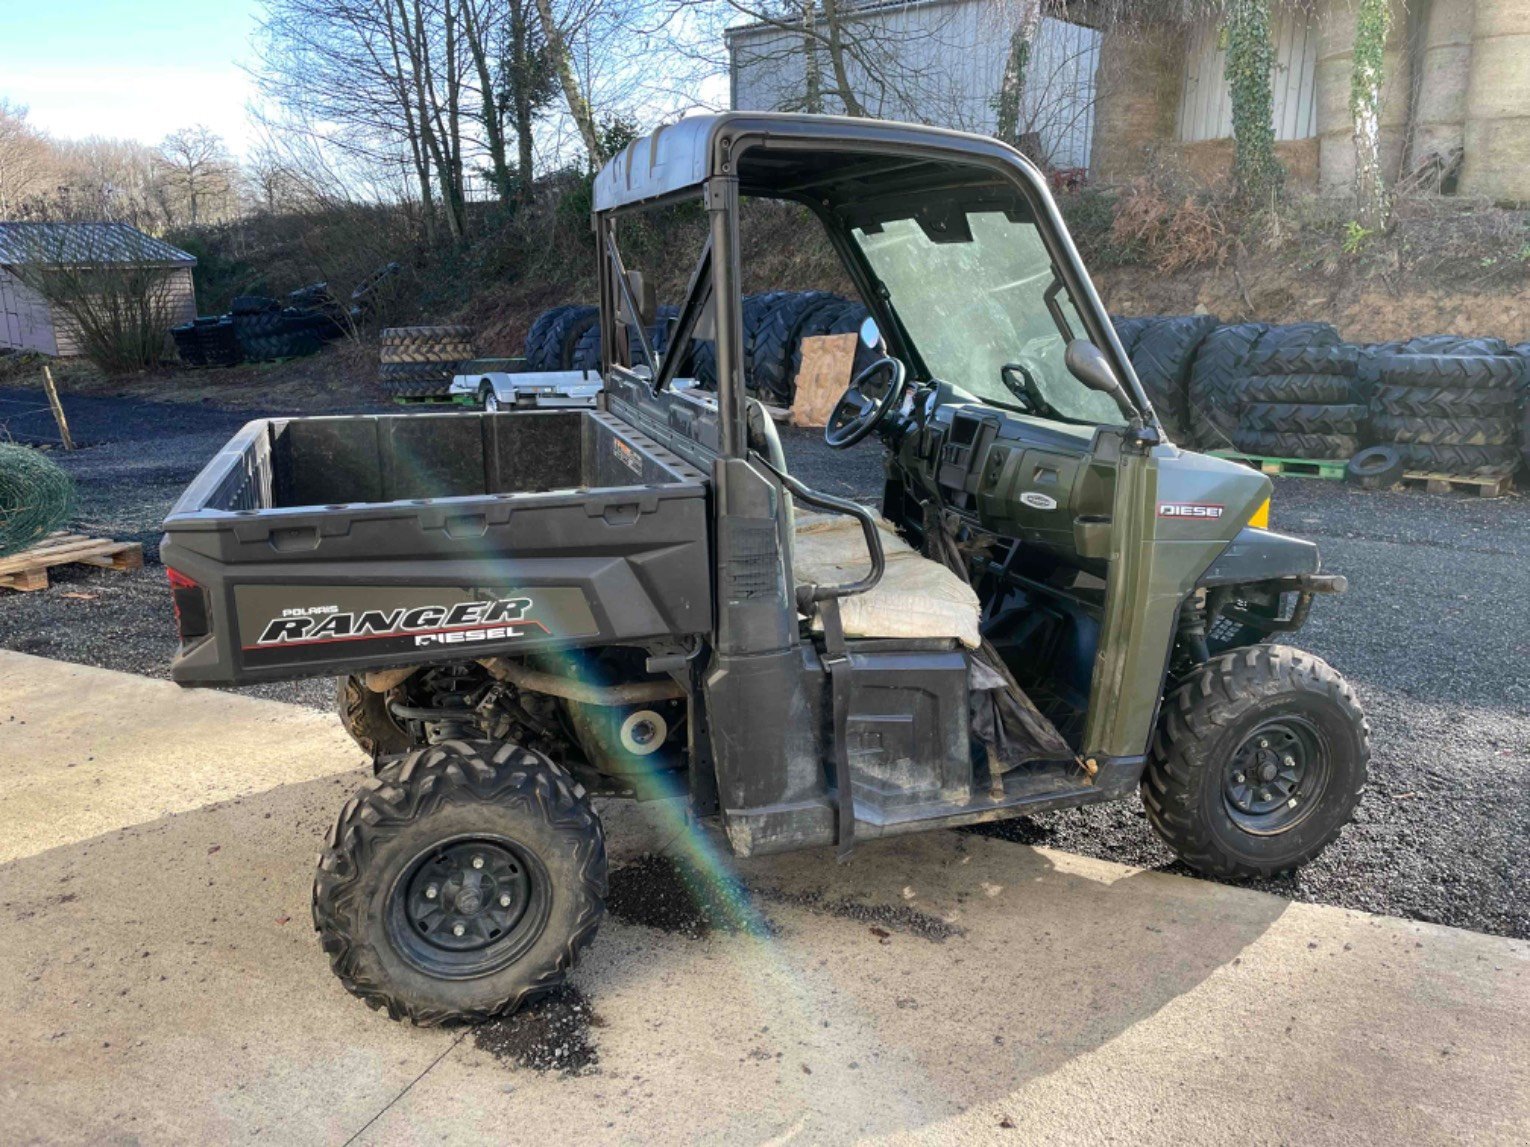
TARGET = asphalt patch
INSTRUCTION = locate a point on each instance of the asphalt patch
(878, 918)
(550, 1034)
(661, 892)
(1017, 830)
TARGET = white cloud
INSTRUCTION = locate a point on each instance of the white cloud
(132, 101)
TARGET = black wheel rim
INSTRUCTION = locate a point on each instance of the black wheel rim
(1277, 775)
(468, 906)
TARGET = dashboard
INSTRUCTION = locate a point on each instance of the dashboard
(1045, 483)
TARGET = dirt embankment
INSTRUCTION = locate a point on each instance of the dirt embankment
(1364, 310)
(1444, 266)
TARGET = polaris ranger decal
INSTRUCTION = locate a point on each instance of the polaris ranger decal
(427, 623)
(295, 624)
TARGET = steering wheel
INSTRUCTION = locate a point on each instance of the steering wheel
(856, 415)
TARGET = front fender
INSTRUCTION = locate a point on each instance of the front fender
(1261, 555)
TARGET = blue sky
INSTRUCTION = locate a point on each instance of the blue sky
(136, 69)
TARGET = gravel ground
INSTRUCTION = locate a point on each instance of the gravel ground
(1434, 634)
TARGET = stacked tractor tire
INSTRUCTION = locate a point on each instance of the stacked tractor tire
(1163, 350)
(262, 329)
(1300, 400)
(1447, 405)
(569, 338)
(1438, 404)
(208, 341)
(419, 362)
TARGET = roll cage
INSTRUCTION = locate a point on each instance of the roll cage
(837, 168)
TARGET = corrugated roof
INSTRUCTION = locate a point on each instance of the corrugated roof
(88, 243)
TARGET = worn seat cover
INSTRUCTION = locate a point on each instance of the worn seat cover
(916, 597)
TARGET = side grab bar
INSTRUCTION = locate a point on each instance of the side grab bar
(809, 595)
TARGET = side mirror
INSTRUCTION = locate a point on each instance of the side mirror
(1087, 363)
(871, 335)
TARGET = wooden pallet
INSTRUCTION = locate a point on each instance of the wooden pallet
(28, 570)
(1446, 483)
(1330, 468)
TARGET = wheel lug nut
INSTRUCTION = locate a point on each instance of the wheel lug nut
(432, 892)
(504, 901)
(1263, 795)
(458, 929)
(1263, 744)
(477, 862)
(1290, 762)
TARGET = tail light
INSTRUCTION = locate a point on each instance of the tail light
(190, 601)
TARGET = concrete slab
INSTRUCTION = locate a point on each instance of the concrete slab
(160, 982)
(88, 751)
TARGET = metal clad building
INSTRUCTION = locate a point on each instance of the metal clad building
(939, 62)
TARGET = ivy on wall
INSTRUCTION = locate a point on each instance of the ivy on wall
(1250, 65)
(1373, 23)
(1007, 103)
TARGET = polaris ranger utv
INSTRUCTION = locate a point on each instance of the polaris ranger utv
(1054, 606)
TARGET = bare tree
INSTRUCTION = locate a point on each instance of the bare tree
(574, 93)
(198, 177)
(113, 179)
(28, 162)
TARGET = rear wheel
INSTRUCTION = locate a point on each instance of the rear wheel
(1259, 761)
(460, 883)
(366, 718)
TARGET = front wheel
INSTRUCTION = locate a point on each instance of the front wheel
(1259, 761)
(460, 883)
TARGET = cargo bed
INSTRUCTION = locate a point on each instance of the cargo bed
(326, 546)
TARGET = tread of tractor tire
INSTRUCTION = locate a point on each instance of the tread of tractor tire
(416, 389)
(1460, 461)
(404, 336)
(1215, 388)
(1454, 372)
(1280, 444)
(489, 773)
(1304, 417)
(1441, 402)
(1441, 344)
(1162, 355)
(551, 340)
(1304, 389)
(756, 312)
(587, 349)
(1445, 431)
(1129, 330)
(1312, 359)
(1210, 700)
(775, 341)
(417, 371)
(436, 352)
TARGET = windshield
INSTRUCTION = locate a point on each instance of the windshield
(974, 306)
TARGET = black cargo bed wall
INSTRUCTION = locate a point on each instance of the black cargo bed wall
(324, 461)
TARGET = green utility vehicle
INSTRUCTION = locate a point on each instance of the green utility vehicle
(527, 610)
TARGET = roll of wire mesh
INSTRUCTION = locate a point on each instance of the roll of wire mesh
(36, 497)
